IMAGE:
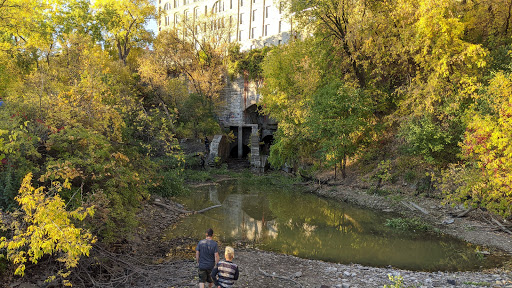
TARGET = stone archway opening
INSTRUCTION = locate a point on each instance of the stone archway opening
(267, 142)
(233, 153)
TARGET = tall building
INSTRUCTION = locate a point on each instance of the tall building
(253, 23)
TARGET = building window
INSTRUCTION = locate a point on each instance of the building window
(176, 3)
(253, 14)
(230, 4)
(279, 31)
(241, 2)
(266, 29)
(267, 11)
(241, 18)
(253, 32)
(253, 1)
(196, 11)
(240, 35)
(176, 19)
(279, 42)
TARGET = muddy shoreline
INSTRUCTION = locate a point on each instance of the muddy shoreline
(268, 269)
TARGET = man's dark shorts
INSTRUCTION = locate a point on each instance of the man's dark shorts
(205, 276)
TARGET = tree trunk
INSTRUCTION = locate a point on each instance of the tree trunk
(343, 167)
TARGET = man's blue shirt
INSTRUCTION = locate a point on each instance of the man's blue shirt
(207, 249)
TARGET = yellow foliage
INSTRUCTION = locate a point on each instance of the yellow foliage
(46, 228)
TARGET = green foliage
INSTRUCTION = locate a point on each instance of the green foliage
(396, 280)
(249, 64)
(483, 284)
(169, 180)
(337, 109)
(195, 118)
(427, 138)
(8, 189)
(383, 172)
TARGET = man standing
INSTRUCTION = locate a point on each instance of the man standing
(207, 256)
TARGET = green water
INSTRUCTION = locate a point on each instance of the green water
(310, 227)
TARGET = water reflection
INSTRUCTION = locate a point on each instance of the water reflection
(311, 227)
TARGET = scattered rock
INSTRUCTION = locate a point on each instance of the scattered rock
(448, 221)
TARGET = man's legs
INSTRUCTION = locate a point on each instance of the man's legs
(202, 278)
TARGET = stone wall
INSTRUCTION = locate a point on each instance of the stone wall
(219, 147)
(237, 96)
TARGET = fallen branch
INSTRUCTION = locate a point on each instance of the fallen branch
(407, 205)
(419, 208)
(185, 211)
(206, 209)
(465, 212)
(280, 277)
(501, 226)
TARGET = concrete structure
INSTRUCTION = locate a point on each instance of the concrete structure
(252, 23)
(253, 131)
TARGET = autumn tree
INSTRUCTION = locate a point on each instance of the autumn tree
(188, 67)
(125, 24)
(45, 227)
(484, 179)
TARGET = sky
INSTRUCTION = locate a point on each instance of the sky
(152, 26)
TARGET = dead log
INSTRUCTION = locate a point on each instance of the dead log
(407, 205)
(280, 277)
(419, 208)
(206, 209)
(185, 211)
(465, 212)
(501, 226)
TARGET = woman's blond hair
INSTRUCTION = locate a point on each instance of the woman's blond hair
(229, 253)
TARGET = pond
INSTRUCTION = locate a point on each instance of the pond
(307, 226)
